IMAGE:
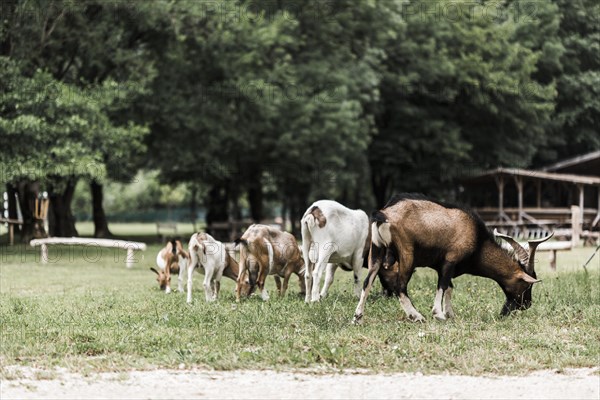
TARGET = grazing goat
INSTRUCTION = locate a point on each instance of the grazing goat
(213, 257)
(453, 241)
(332, 235)
(275, 252)
(171, 259)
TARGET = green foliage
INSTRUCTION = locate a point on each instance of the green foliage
(460, 91)
(276, 107)
(53, 130)
(578, 103)
(296, 101)
(68, 76)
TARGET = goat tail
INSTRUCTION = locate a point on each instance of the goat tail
(241, 241)
(381, 235)
(308, 221)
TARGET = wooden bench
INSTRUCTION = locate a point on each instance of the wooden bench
(166, 226)
(131, 247)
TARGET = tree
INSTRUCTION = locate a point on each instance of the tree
(458, 91)
(87, 48)
(578, 102)
(267, 98)
(51, 129)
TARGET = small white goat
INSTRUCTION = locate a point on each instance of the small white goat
(332, 234)
(214, 258)
(171, 259)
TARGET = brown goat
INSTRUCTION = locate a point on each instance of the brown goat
(171, 259)
(276, 253)
(453, 241)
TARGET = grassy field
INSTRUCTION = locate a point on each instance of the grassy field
(87, 312)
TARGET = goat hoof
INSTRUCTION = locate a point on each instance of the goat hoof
(416, 318)
(449, 314)
(357, 320)
(439, 316)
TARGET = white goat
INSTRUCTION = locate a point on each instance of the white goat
(213, 257)
(332, 234)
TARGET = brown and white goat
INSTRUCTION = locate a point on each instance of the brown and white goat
(214, 260)
(453, 241)
(171, 259)
(276, 253)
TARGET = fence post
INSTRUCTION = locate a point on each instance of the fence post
(44, 253)
(129, 260)
(575, 225)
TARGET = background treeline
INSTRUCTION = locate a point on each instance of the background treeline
(252, 103)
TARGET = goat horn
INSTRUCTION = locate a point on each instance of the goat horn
(533, 244)
(521, 252)
(154, 270)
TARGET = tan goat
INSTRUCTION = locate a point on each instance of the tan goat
(276, 253)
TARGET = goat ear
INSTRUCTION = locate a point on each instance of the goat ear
(521, 252)
(529, 279)
(154, 270)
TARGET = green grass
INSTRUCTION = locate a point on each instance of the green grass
(138, 230)
(99, 316)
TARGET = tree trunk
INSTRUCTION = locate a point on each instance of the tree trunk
(218, 200)
(293, 216)
(234, 198)
(255, 198)
(284, 211)
(100, 222)
(380, 183)
(60, 217)
(298, 204)
(11, 192)
(193, 206)
(32, 228)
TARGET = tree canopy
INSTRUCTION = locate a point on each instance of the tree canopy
(254, 101)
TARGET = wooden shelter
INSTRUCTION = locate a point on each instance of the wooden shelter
(558, 196)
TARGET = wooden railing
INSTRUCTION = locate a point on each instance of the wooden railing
(11, 228)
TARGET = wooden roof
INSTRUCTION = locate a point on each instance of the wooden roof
(533, 174)
(586, 164)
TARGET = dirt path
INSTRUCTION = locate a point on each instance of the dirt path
(158, 384)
